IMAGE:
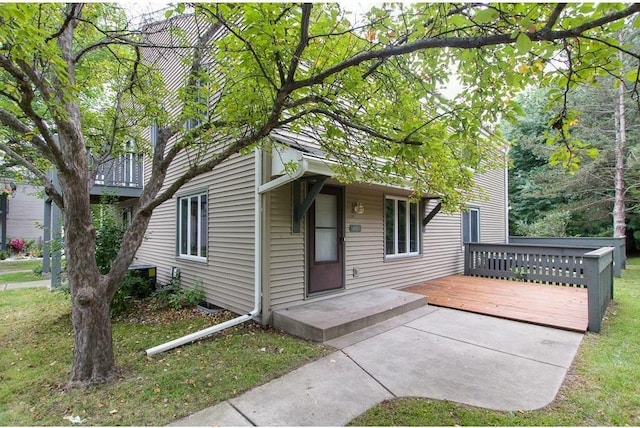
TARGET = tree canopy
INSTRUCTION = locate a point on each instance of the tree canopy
(369, 91)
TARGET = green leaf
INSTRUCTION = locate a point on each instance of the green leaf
(631, 75)
(484, 16)
(523, 43)
(168, 13)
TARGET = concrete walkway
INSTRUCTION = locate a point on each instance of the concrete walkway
(429, 352)
(30, 284)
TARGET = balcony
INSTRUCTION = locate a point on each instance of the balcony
(120, 177)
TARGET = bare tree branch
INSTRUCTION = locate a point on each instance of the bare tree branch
(15, 124)
(63, 27)
(553, 18)
(49, 188)
(302, 43)
(465, 43)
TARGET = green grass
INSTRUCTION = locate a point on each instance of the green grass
(36, 352)
(13, 277)
(16, 265)
(602, 387)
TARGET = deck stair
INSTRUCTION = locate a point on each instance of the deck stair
(327, 319)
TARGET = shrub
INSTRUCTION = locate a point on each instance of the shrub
(173, 295)
(17, 244)
(3, 255)
(33, 249)
(38, 270)
(132, 287)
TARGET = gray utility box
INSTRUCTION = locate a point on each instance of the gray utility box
(146, 272)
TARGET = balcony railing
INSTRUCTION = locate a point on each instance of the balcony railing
(123, 171)
(121, 177)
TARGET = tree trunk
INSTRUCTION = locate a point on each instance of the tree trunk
(619, 209)
(93, 358)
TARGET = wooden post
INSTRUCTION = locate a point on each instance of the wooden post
(56, 259)
(4, 203)
(598, 269)
(467, 258)
(590, 265)
(46, 238)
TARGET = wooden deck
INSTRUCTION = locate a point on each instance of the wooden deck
(555, 306)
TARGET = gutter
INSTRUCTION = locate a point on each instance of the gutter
(303, 166)
(189, 338)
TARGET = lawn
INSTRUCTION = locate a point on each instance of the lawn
(19, 265)
(36, 352)
(601, 388)
(13, 277)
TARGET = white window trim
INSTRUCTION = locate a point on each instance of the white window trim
(396, 254)
(180, 215)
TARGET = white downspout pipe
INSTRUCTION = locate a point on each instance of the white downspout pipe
(257, 275)
(506, 194)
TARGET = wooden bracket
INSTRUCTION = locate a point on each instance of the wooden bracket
(432, 214)
(300, 208)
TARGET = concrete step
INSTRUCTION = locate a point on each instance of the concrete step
(328, 319)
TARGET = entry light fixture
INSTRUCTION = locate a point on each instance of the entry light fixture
(358, 208)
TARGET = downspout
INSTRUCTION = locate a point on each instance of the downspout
(506, 194)
(257, 275)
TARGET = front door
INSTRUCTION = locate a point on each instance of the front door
(325, 230)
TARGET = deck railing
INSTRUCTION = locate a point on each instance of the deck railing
(123, 171)
(619, 245)
(564, 266)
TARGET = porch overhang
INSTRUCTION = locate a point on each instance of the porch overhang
(306, 164)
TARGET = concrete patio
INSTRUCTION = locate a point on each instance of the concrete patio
(429, 352)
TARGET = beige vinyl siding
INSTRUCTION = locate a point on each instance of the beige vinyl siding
(227, 276)
(286, 255)
(442, 251)
(25, 211)
(492, 211)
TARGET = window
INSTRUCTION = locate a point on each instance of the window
(401, 227)
(153, 135)
(202, 92)
(471, 225)
(192, 226)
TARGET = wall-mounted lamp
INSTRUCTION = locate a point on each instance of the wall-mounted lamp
(358, 208)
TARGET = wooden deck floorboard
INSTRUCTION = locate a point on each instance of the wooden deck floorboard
(550, 305)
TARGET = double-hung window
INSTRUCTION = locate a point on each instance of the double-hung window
(192, 226)
(471, 225)
(401, 227)
(201, 99)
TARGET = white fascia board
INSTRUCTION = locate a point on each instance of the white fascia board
(306, 164)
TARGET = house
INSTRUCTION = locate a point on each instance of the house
(238, 224)
(248, 232)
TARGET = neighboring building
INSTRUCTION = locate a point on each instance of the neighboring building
(304, 235)
(24, 212)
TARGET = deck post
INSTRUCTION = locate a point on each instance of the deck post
(598, 270)
(467, 258)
